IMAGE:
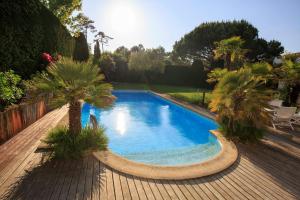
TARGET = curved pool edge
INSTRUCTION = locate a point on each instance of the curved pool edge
(224, 159)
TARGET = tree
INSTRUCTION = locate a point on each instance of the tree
(289, 76)
(107, 65)
(231, 51)
(147, 60)
(137, 48)
(70, 82)
(63, 9)
(97, 52)
(81, 23)
(123, 51)
(239, 100)
(81, 50)
(199, 43)
(102, 38)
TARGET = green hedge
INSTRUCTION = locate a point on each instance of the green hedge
(27, 30)
(179, 75)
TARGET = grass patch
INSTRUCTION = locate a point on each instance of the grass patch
(188, 94)
(66, 145)
(192, 97)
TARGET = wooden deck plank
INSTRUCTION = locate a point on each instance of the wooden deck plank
(68, 180)
(147, 189)
(170, 190)
(110, 185)
(103, 186)
(264, 185)
(200, 187)
(81, 181)
(125, 187)
(96, 179)
(184, 190)
(154, 189)
(162, 190)
(132, 188)
(139, 188)
(75, 179)
(177, 190)
(117, 186)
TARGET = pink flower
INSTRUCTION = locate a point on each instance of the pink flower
(47, 57)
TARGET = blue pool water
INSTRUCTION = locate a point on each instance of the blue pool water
(144, 127)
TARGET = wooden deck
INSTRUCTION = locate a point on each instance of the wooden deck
(259, 173)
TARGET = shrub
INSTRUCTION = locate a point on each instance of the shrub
(239, 100)
(66, 145)
(10, 91)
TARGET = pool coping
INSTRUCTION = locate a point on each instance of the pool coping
(224, 159)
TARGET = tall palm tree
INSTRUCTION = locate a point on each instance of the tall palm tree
(239, 100)
(70, 82)
(230, 50)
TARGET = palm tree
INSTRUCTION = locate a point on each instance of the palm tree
(239, 100)
(230, 50)
(71, 82)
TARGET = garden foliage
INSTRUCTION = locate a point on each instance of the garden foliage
(27, 30)
(66, 145)
(10, 90)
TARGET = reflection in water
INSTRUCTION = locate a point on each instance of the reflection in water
(121, 122)
(140, 122)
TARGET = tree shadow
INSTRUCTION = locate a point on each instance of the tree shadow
(58, 179)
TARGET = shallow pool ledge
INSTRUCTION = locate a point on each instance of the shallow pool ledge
(223, 160)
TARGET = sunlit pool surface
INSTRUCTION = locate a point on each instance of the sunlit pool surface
(146, 128)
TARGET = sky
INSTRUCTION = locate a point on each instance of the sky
(156, 23)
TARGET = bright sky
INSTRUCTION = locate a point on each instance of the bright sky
(162, 22)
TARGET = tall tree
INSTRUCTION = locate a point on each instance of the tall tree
(97, 52)
(81, 50)
(102, 38)
(63, 9)
(199, 43)
(81, 23)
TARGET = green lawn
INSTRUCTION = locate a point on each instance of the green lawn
(189, 94)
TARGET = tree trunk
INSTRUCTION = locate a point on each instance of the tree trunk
(227, 62)
(75, 117)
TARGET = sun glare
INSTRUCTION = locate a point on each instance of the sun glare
(123, 17)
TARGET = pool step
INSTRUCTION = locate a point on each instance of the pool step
(182, 156)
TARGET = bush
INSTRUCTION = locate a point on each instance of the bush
(27, 30)
(239, 100)
(10, 91)
(66, 145)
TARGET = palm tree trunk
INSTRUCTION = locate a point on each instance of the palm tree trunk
(75, 117)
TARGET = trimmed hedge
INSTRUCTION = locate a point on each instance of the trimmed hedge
(179, 75)
(27, 30)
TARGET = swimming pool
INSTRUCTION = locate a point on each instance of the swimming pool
(146, 128)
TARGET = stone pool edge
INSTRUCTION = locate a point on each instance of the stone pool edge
(220, 162)
(224, 159)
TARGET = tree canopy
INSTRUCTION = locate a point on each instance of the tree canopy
(146, 60)
(63, 9)
(200, 42)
